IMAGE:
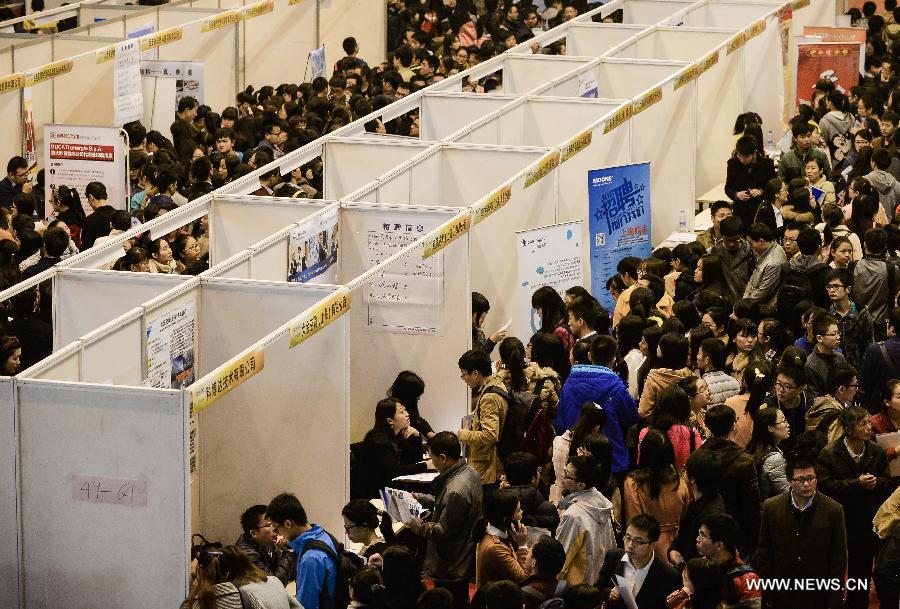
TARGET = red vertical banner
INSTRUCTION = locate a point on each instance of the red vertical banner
(29, 146)
(835, 61)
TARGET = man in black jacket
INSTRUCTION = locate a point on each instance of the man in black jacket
(259, 542)
(522, 474)
(853, 471)
(636, 571)
(99, 223)
(880, 364)
(704, 472)
(748, 172)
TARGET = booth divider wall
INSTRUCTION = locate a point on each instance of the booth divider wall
(520, 190)
(351, 163)
(443, 114)
(9, 497)
(720, 87)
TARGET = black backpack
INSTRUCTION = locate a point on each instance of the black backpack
(513, 432)
(797, 286)
(347, 564)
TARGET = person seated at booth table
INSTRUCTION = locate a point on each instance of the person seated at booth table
(392, 447)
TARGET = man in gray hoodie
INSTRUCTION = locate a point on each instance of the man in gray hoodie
(835, 126)
(883, 182)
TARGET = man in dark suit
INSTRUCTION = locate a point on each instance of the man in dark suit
(636, 571)
(802, 536)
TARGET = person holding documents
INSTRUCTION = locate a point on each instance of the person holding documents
(455, 507)
(635, 578)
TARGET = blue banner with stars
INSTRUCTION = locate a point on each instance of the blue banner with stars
(619, 201)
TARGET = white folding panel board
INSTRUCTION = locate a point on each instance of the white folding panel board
(10, 112)
(720, 95)
(276, 45)
(351, 163)
(239, 221)
(365, 20)
(763, 68)
(74, 103)
(821, 13)
(454, 176)
(85, 300)
(376, 357)
(112, 27)
(111, 355)
(443, 114)
(523, 73)
(651, 11)
(104, 495)
(9, 495)
(29, 56)
(291, 415)
(594, 39)
(215, 49)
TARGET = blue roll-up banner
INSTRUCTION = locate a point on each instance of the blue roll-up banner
(619, 200)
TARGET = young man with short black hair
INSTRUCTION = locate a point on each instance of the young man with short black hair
(522, 475)
(483, 434)
(455, 507)
(887, 187)
(316, 569)
(802, 535)
(875, 278)
(718, 211)
(735, 251)
(635, 571)
(881, 363)
(793, 163)
(15, 182)
(704, 473)
(826, 409)
(545, 560)
(717, 539)
(628, 271)
(824, 355)
(99, 222)
(855, 323)
(268, 551)
(747, 174)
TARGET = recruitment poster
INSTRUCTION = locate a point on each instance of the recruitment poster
(408, 298)
(170, 348)
(129, 98)
(551, 256)
(313, 250)
(849, 35)
(619, 202)
(29, 146)
(834, 61)
(76, 155)
(188, 76)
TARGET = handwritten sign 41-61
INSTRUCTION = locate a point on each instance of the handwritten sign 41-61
(117, 491)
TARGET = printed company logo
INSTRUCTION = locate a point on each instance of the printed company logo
(687, 75)
(255, 10)
(320, 316)
(709, 61)
(446, 234)
(619, 117)
(12, 82)
(602, 181)
(576, 145)
(168, 36)
(648, 100)
(497, 200)
(218, 21)
(51, 70)
(547, 164)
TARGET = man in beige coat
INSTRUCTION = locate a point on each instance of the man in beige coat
(481, 436)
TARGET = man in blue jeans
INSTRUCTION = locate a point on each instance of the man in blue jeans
(316, 571)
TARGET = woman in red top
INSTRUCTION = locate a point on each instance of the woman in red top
(552, 313)
(888, 420)
(671, 416)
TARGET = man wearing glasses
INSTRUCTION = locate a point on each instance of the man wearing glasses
(635, 576)
(802, 536)
(269, 552)
(16, 181)
(717, 541)
(855, 323)
(824, 355)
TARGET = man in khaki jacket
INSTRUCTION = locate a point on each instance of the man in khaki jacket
(482, 435)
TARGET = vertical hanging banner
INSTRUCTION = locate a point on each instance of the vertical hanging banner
(619, 205)
(849, 35)
(170, 348)
(550, 255)
(29, 144)
(313, 250)
(408, 297)
(785, 25)
(317, 61)
(76, 155)
(129, 98)
(835, 61)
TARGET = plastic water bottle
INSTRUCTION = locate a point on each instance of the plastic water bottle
(682, 222)
(770, 144)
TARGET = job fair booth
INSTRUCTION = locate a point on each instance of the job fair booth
(311, 308)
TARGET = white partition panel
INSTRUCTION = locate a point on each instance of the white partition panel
(289, 33)
(433, 357)
(819, 13)
(363, 19)
(29, 56)
(595, 39)
(85, 300)
(81, 549)
(216, 49)
(763, 69)
(522, 73)
(112, 354)
(94, 13)
(74, 103)
(720, 98)
(9, 497)
(651, 11)
(291, 415)
(62, 365)
(10, 111)
(237, 222)
(112, 27)
(141, 20)
(351, 163)
(445, 113)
